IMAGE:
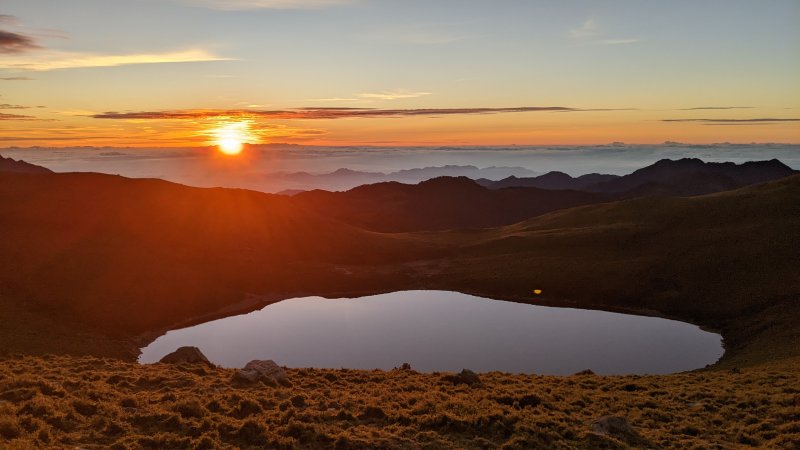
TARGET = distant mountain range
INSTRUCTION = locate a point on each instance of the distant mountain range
(690, 176)
(684, 177)
(438, 204)
(449, 203)
(343, 179)
(552, 180)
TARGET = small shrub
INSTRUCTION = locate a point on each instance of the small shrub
(9, 428)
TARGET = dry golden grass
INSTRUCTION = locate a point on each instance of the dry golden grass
(87, 402)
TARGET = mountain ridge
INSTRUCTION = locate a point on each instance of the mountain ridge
(10, 165)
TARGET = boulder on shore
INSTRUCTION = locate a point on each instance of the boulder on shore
(265, 371)
(191, 355)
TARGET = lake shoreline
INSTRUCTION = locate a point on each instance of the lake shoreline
(252, 303)
(446, 331)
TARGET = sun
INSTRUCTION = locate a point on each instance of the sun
(230, 146)
(230, 137)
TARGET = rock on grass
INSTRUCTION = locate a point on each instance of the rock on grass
(620, 428)
(265, 371)
(191, 355)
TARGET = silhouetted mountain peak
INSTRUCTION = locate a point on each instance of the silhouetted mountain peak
(555, 176)
(11, 165)
(450, 182)
(553, 180)
(692, 176)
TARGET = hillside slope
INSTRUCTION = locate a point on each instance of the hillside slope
(10, 165)
(719, 260)
(129, 255)
(681, 177)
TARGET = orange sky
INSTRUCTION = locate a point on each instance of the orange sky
(533, 73)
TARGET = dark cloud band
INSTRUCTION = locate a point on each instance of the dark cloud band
(313, 113)
(15, 43)
(10, 106)
(764, 121)
(703, 108)
(4, 116)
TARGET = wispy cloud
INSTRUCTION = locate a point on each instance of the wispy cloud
(4, 116)
(16, 79)
(394, 95)
(242, 5)
(700, 108)
(14, 43)
(429, 34)
(6, 19)
(590, 32)
(336, 99)
(755, 121)
(329, 113)
(55, 60)
(616, 41)
(398, 94)
(10, 106)
(586, 30)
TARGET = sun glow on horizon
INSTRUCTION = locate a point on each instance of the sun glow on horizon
(230, 137)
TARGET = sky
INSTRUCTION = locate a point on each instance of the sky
(188, 73)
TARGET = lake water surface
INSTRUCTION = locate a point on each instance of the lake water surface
(446, 331)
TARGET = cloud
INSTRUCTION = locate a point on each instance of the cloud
(316, 113)
(616, 41)
(586, 30)
(383, 95)
(241, 5)
(336, 99)
(756, 121)
(55, 60)
(16, 79)
(394, 95)
(13, 43)
(6, 19)
(590, 32)
(9, 106)
(700, 108)
(4, 116)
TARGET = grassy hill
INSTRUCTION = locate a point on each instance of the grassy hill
(129, 255)
(712, 259)
(92, 403)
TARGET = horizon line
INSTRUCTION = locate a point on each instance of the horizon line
(432, 145)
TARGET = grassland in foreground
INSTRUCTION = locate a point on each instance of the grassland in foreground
(87, 402)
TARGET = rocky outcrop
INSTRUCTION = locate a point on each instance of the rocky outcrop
(265, 371)
(466, 376)
(619, 428)
(190, 355)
